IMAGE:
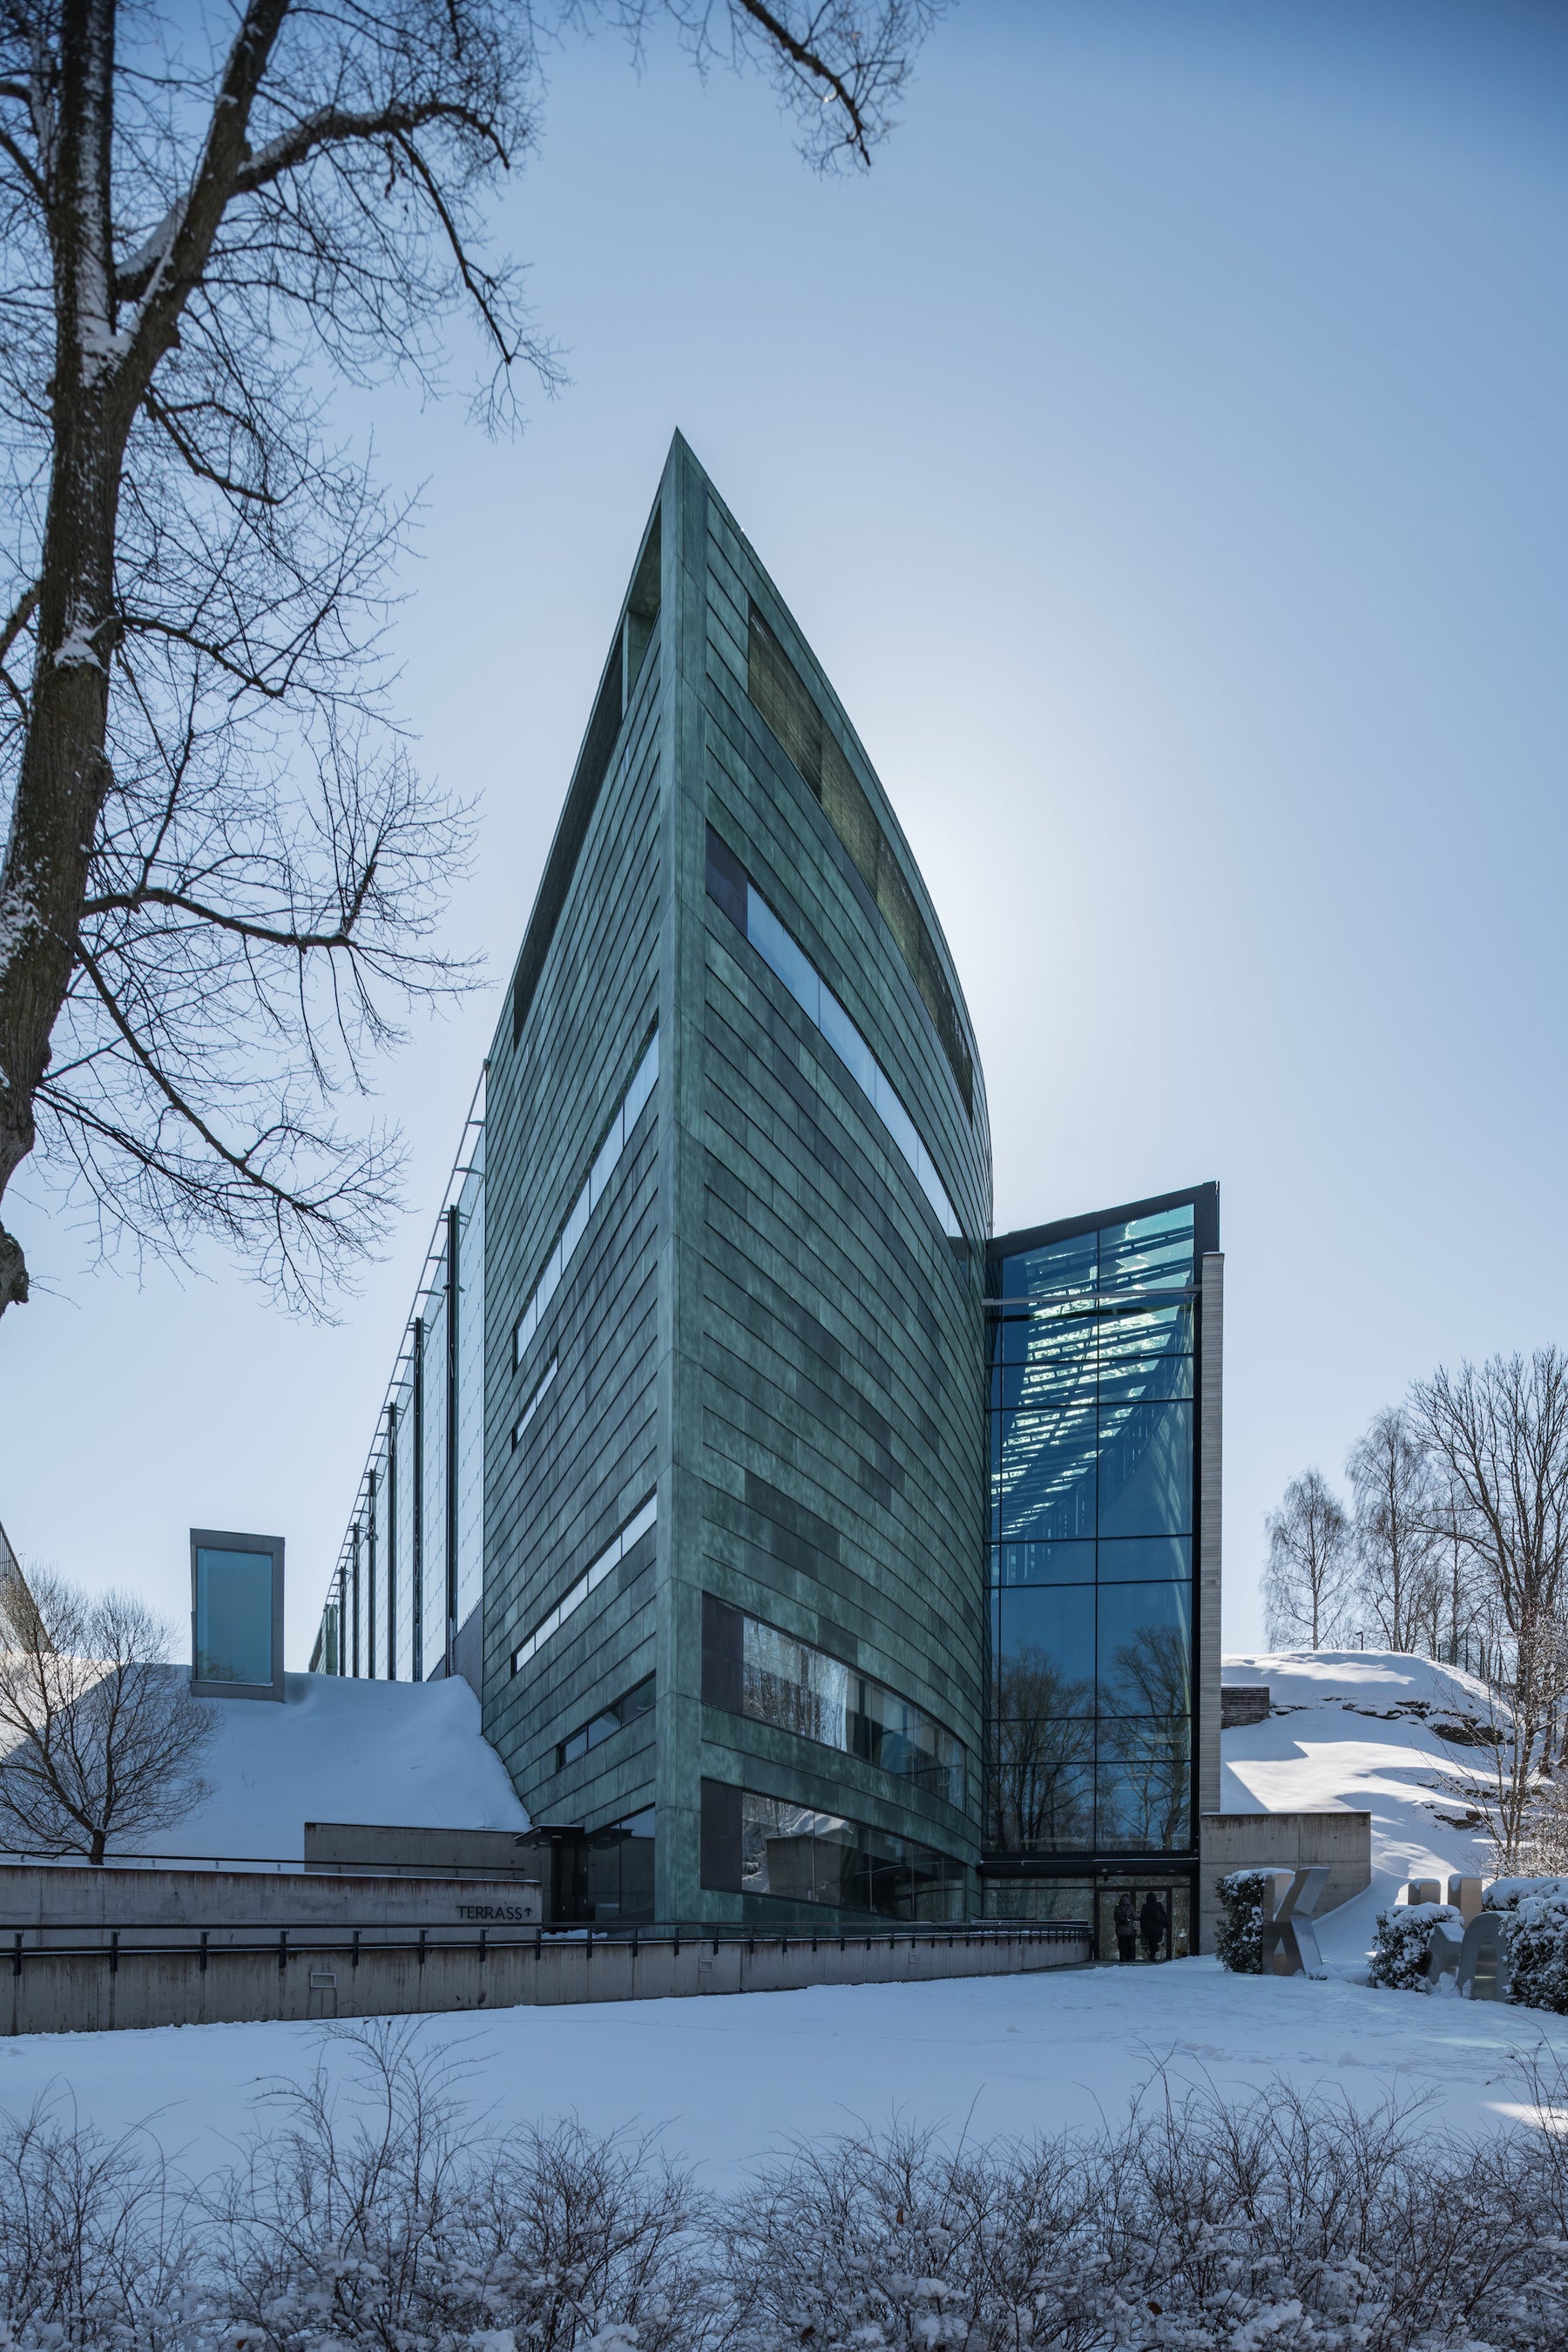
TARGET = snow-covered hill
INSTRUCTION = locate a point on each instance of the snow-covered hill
(1362, 1728)
(400, 1755)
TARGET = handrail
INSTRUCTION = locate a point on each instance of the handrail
(296, 1866)
(403, 1936)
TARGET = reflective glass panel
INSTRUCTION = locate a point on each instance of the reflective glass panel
(1058, 1368)
(1144, 1808)
(1043, 1477)
(1042, 1563)
(234, 1617)
(1148, 1254)
(1146, 1469)
(1039, 1898)
(1147, 1354)
(1145, 1649)
(1045, 1654)
(1038, 1803)
(1135, 1559)
(798, 1688)
(1141, 1738)
(1056, 1273)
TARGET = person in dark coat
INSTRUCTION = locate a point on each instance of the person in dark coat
(1126, 1929)
(1152, 1921)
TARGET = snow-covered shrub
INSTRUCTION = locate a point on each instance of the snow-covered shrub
(1239, 1941)
(1286, 2222)
(371, 2215)
(366, 2214)
(1403, 1939)
(93, 2237)
(1535, 1933)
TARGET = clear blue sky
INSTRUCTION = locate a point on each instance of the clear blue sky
(1164, 451)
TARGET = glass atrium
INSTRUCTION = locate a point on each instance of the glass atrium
(1093, 1420)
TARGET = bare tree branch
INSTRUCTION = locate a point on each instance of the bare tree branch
(222, 880)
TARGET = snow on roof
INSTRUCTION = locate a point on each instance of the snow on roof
(409, 1755)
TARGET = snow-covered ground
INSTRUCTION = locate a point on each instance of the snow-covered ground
(1352, 1728)
(727, 2080)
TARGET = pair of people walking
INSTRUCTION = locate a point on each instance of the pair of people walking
(1152, 1923)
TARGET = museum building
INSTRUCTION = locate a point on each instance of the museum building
(815, 1554)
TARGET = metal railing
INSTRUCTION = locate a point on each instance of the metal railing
(306, 1939)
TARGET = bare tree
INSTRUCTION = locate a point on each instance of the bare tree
(222, 875)
(103, 1737)
(1307, 1578)
(1499, 1437)
(1396, 1512)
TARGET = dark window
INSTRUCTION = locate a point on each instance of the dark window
(722, 1645)
(608, 1721)
(726, 879)
(782, 697)
(719, 1856)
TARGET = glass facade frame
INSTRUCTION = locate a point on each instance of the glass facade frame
(1092, 1519)
(237, 1614)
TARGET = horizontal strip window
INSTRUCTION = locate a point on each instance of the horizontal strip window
(593, 1576)
(766, 1845)
(613, 700)
(731, 888)
(541, 1390)
(606, 1723)
(602, 1167)
(787, 702)
(752, 1669)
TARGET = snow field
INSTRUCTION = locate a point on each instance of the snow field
(728, 2080)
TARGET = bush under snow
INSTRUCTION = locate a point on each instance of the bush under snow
(1536, 1934)
(1403, 1939)
(362, 2217)
(1238, 1938)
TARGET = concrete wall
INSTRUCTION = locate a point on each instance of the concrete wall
(1340, 1838)
(431, 1854)
(83, 1902)
(53, 1993)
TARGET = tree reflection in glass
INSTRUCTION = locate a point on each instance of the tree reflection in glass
(1144, 1782)
(1041, 1791)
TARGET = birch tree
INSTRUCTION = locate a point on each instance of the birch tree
(1499, 1436)
(222, 875)
(1395, 1530)
(1306, 1577)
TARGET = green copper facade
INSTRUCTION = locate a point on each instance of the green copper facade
(704, 1325)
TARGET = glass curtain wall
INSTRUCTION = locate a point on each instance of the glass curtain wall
(1091, 1526)
(434, 1484)
(397, 1549)
(470, 1466)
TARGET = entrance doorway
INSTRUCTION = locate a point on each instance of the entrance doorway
(1174, 1897)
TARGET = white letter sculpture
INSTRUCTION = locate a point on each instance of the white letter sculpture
(1288, 1937)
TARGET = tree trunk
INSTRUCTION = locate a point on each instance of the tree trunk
(64, 773)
